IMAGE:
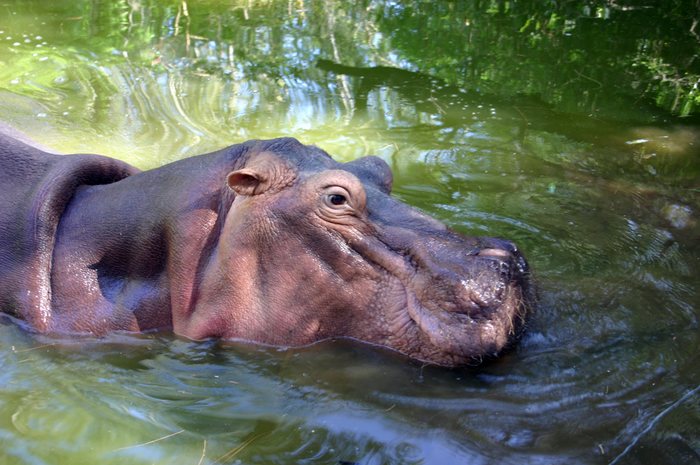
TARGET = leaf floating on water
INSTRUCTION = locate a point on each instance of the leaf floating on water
(236, 450)
(204, 452)
(151, 442)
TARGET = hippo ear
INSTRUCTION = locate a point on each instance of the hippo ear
(374, 170)
(247, 181)
(264, 172)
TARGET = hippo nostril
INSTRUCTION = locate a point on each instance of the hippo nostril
(512, 261)
(500, 261)
(507, 246)
(493, 252)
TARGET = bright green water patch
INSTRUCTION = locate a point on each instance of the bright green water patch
(544, 124)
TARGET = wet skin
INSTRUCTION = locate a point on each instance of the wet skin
(270, 242)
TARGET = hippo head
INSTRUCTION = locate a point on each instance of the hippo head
(314, 249)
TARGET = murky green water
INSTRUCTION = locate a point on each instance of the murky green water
(544, 125)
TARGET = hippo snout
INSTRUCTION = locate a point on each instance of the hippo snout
(474, 296)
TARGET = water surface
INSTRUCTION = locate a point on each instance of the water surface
(546, 126)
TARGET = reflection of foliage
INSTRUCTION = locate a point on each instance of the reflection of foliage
(673, 90)
(591, 57)
(580, 56)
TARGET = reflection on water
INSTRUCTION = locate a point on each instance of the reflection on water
(602, 194)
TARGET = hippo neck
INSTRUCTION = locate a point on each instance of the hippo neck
(135, 248)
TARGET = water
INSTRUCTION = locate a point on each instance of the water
(543, 126)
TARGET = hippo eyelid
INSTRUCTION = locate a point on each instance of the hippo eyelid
(334, 189)
(334, 186)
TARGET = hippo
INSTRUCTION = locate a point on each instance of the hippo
(269, 242)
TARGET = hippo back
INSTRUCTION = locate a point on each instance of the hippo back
(36, 187)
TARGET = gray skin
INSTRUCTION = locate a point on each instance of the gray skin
(271, 242)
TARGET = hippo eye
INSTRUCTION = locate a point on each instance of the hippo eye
(337, 199)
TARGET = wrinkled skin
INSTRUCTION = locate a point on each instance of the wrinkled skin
(274, 242)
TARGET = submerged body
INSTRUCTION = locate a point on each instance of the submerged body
(267, 241)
